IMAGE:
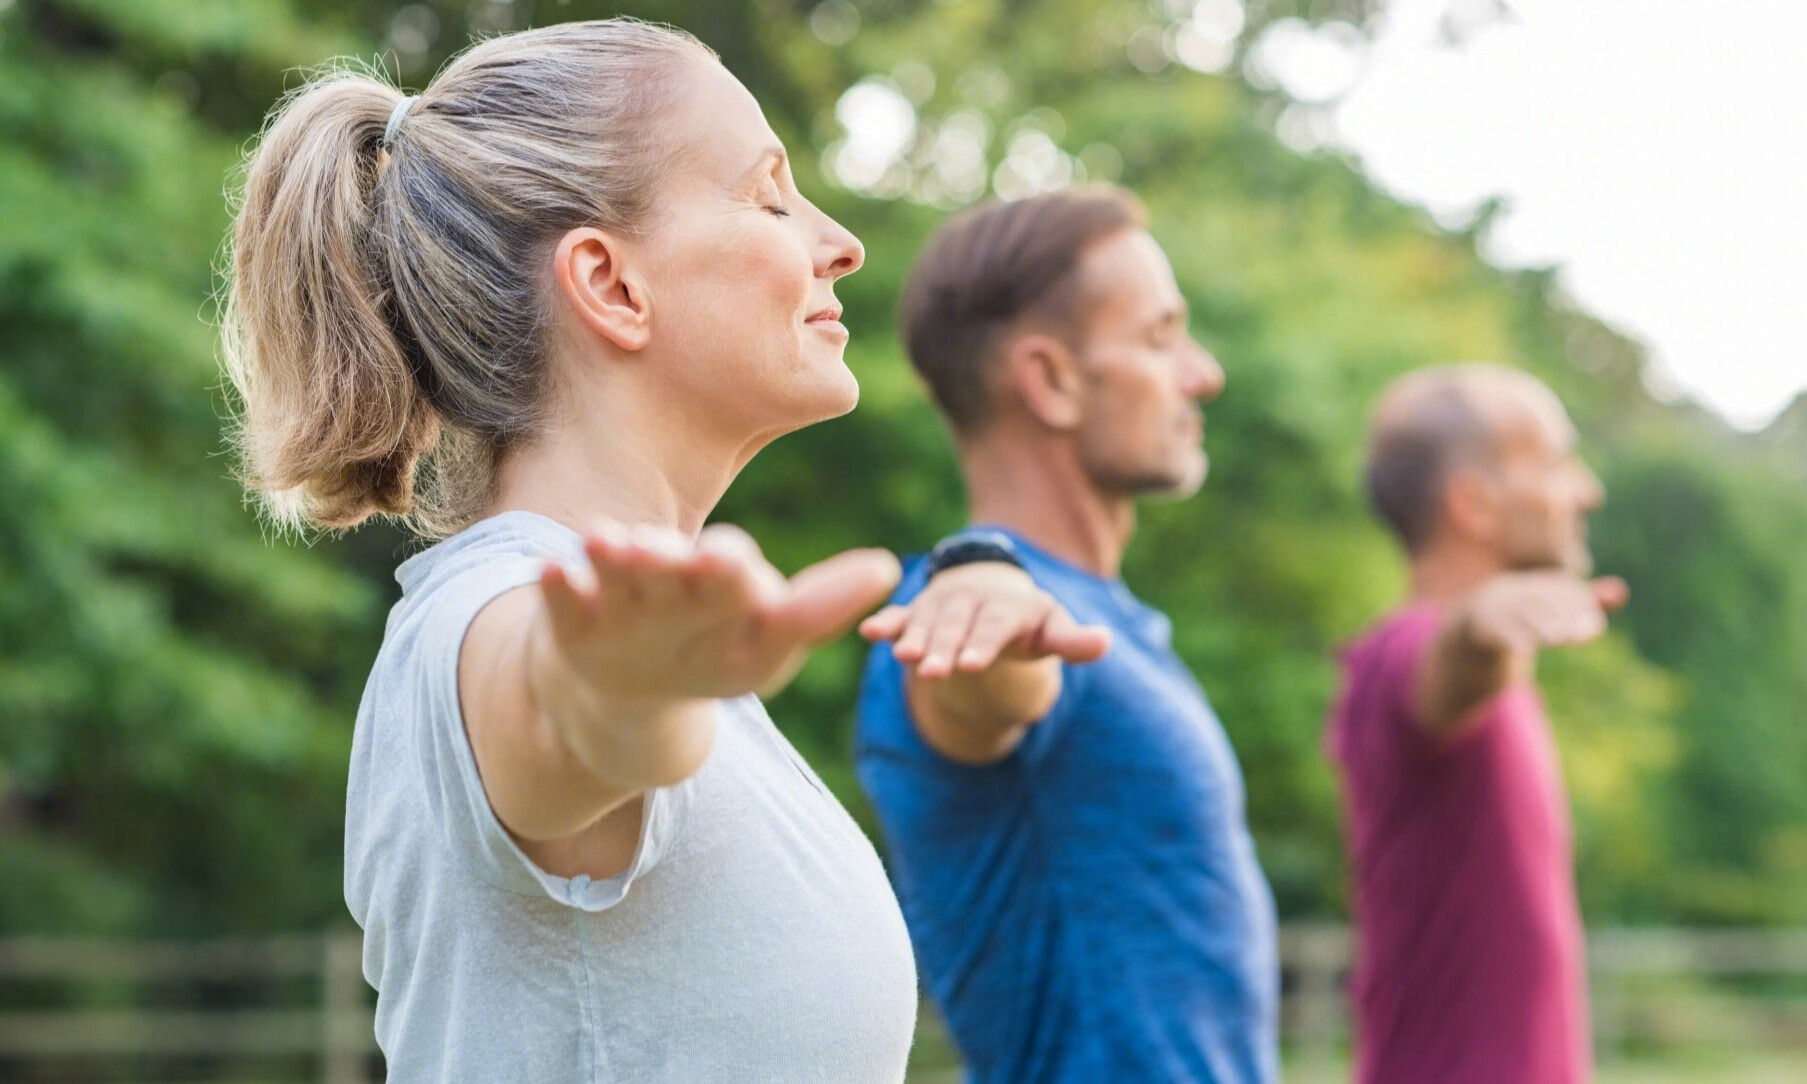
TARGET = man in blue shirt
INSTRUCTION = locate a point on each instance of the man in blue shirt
(1065, 821)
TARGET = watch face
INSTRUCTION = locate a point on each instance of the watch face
(987, 539)
(973, 547)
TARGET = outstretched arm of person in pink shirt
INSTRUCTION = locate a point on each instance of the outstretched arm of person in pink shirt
(1491, 638)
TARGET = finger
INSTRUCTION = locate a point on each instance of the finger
(1547, 620)
(919, 622)
(885, 624)
(1588, 623)
(952, 625)
(992, 630)
(728, 541)
(827, 597)
(1611, 592)
(1516, 633)
(1563, 629)
(643, 564)
(569, 610)
(640, 546)
(661, 563)
(731, 566)
(606, 546)
(1574, 624)
(1580, 614)
(658, 549)
(1073, 642)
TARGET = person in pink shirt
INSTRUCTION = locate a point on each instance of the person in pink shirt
(1470, 961)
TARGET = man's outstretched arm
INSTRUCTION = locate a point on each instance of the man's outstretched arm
(1491, 638)
(982, 648)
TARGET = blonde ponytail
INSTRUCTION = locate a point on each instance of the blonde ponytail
(333, 422)
(385, 309)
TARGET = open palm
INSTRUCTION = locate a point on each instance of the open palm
(657, 617)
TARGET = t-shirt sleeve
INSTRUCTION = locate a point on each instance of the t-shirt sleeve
(1402, 654)
(1067, 707)
(1398, 657)
(448, 767)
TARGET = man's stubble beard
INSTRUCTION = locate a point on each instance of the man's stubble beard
(1145, 485)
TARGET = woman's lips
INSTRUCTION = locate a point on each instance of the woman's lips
(828, 320)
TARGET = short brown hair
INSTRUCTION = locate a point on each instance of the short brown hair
(988, 268)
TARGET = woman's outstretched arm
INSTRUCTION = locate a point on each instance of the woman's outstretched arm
(597, 684)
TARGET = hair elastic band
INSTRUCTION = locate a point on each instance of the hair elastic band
(395, 119)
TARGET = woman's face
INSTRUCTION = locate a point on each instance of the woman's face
(741, 270)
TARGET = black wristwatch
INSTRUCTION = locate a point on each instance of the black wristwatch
(970, 548)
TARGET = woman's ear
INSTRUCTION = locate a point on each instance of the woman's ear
(593, 279)
(1045, 376)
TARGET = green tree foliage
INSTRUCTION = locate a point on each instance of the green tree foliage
(177, 690)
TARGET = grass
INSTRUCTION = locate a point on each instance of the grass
(1686, 1066)
(935, 1061)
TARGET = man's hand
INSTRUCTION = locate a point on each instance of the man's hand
(971, 616)
(984, 647)
(1521, 612)
(1492, 638)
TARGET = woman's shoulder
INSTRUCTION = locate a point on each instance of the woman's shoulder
(517, 534)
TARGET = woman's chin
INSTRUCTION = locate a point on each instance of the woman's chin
(850, 394)
(816, 401)
(834, 391)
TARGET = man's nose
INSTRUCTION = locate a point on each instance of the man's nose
(1203, 376)
(1593, 494)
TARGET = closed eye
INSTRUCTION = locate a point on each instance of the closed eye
(1167, 328)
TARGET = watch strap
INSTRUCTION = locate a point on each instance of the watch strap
(972, 547)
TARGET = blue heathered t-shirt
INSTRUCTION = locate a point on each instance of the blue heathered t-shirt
(1090, 907)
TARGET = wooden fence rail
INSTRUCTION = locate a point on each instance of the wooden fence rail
(304, 997)
(332, 1024)
(1656, 987)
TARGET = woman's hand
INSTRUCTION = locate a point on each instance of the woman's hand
(630, 651)
(658, 618)
(602, 681)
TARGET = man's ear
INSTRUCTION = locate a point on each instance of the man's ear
(593, 279)
(1045, 375)
(1472, 504)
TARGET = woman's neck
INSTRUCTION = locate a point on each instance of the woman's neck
(630, 465)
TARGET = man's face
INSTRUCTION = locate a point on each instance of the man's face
(1546, 492)
(1142, 431)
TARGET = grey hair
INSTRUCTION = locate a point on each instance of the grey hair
(385, 320)
(1428, 425)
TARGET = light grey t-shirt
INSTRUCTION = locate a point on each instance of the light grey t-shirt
(754, 937)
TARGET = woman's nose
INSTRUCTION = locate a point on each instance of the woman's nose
(840, 251)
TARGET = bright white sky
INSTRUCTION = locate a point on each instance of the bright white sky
(1655, 149)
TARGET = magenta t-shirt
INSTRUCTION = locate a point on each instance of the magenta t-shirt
(1470, 963)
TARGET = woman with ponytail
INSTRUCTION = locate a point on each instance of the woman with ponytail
(544, 313)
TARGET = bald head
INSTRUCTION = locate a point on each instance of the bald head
(1433, 422)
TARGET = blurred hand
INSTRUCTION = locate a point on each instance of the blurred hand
(1520, 612)
(972, 616)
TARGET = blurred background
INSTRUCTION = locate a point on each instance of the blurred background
(1607, 194)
